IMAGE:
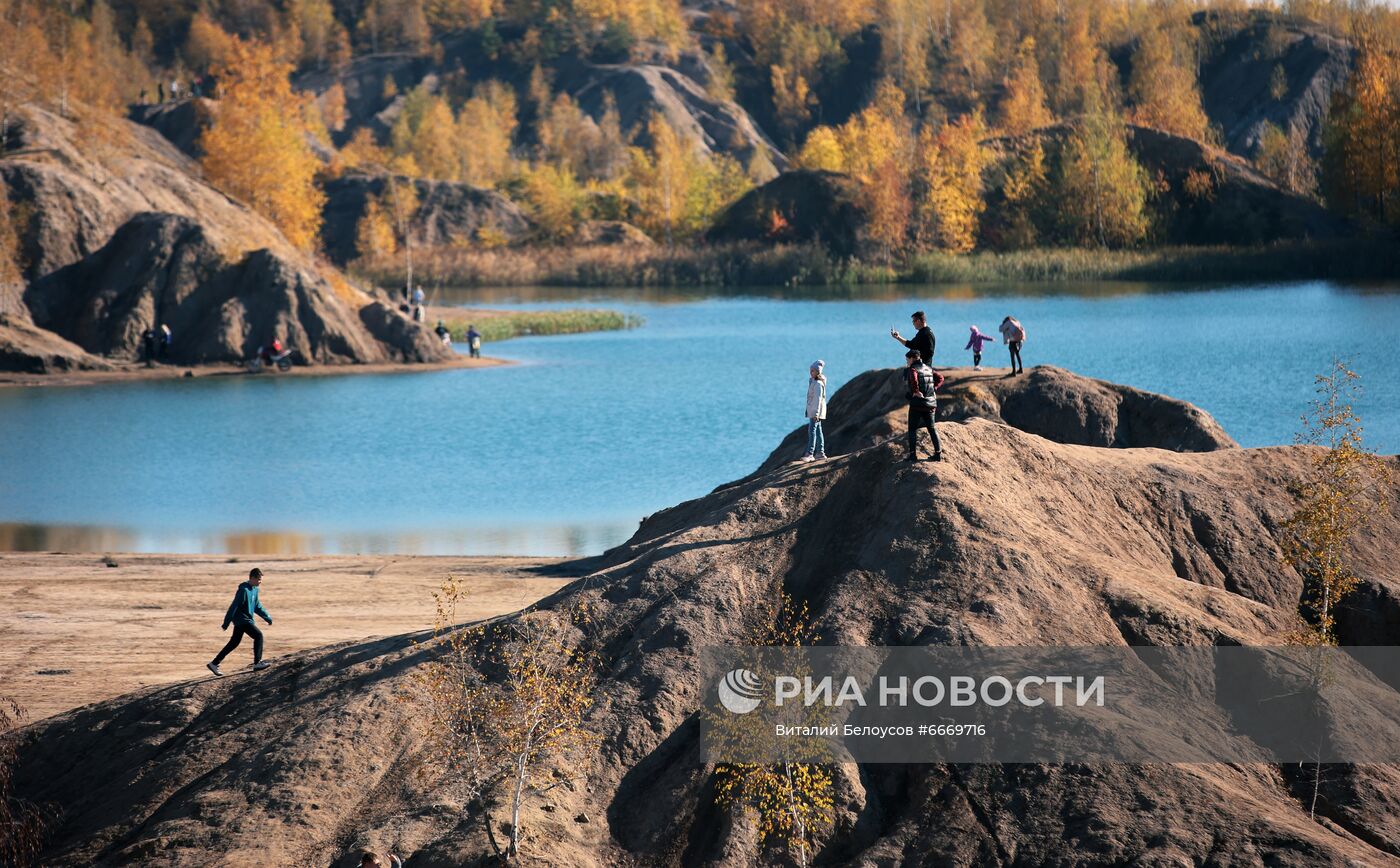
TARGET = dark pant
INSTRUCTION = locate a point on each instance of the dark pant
(976, 358)
(238, 631)
(919, 418)
(1015, 347)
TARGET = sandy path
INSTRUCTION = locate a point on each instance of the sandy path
(75, 631)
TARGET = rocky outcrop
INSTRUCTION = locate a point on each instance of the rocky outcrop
(1046, 401)
(26, 348)
(120, 232)
(164, 269)
(798, 206)
(1247, 54)
(642, 90)
(609, 233)
(449, 214)
(1014, 540)
(1227, 201)
(181, 122)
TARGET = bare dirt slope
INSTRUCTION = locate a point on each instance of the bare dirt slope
(78, 631)
(122, 232)
(1016, 539)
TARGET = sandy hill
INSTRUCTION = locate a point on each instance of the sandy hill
(1015, 539)
(120, 231)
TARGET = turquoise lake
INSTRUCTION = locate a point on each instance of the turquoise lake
(565, 451)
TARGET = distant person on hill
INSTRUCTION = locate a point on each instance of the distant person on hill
(148, 346)
(474, 341)
(923, 383)
(443, 332)
(975, 343)
(923, 339)
(420, 313)
(160, 90)
(816, 412)
(1013, 335)
(418, 295)
(240, 614)
(175, 89)
(165, 340)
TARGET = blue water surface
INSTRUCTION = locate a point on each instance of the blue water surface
(565, 451)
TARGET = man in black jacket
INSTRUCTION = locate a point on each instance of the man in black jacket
(922, 341)
(922, 383)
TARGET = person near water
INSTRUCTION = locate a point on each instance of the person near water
(420, 313)
(148, 346)
(1013, 334)
(474, 341)
(443, 332)
(418, 296)
(923, 339)
(166, 337)
(816, 412)
(175, 89)
(240, 614)
(974, 343)
(923, 383)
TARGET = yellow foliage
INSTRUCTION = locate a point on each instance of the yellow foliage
(1164, 89)
(485, 127)
(952, 163)
(1102, 190)
(1344, 487)
(554, 198)
(257, 149)
(374, 233)
(822, 150)
(433, 147)
(208, 46)
(1023, 107)
(1362, 164)
(678, 190)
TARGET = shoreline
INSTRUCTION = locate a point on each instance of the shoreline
(80, 631)
(136, 372)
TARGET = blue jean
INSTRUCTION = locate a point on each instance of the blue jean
(816, 441)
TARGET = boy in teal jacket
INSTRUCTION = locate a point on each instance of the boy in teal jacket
(240, 614)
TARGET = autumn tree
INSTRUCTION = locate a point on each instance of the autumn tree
(791, 797)
(10, 273)
(1344, 487)
(257, 147)
(324, 41)
(570, 139)
(22, 823)
(951, 163)
(678, 189)
(1023, 107)
(1284, 157)
(207, 45)
(1023, 190)
(490, 734)
(968, 42)
(822, 150)
(1101, 188)
(1084, 76)
(1361, 167)
(1163, 86)
(906, 38)
(485, 130)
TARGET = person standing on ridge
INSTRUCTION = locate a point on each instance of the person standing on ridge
(923, 383)
(474, 341)
(1013, 334)
(166, 338)
(816, 412)
(975, 343)
(923, 339)
(240, 614)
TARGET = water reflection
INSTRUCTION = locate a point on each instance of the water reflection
(523, 540)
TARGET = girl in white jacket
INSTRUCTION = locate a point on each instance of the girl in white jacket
(816, 412)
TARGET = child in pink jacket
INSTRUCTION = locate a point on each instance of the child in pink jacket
(975, 343)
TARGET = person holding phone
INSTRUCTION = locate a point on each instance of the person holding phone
(923, 339)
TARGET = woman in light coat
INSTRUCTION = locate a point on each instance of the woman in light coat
(816, 412)
(1013, 335)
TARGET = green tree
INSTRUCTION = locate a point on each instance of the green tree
(1101, 187)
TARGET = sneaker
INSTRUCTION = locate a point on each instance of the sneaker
(805, 458)
(214, 668)
(821, 457)
(938, 456)
(976, 367)
(260, 665)
(911, 457)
